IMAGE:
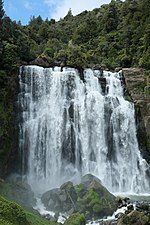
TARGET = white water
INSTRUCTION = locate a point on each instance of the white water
(70, 128)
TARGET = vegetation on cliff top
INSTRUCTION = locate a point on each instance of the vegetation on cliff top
(116, 34)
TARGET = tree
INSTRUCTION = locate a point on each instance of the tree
(2, 12)
(69, 15)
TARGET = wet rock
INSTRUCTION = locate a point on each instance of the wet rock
(94, 200)
(134, 218)
(88, 179)
(102, 81)
(130, 207)
(42, 61)
(90, 197)
(122, 201)
(137, 83)
(61, 200)
(143, 206)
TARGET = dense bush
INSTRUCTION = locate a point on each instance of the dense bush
(116, 34)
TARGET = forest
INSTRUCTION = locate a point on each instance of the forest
(114, 35)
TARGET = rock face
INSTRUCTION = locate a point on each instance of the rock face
(138, 85)
(90, 197)
(62, 199)
(134, 218)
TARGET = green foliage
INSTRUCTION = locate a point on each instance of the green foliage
(12, 214)
(2, 12)
(94, 201)
(116, 34)
(75, 219)
(9, 55)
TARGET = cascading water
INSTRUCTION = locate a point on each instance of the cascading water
(72, 126)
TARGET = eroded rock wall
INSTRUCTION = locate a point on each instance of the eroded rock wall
(138, 85)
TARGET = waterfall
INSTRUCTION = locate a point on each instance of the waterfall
(71, 126)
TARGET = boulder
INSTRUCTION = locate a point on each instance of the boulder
(143, 206)
(90, 198)
(134, 218)
(94, 200)
(62, 199)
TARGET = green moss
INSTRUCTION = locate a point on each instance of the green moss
(76, 219)
(134, 218)
(94, 200)
(148, 142)
(37, 220)
(97, 208)
(80, 190)
(12, 214)
(147, 88)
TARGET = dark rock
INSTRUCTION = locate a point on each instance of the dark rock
(43, 61)
(88, 179)
(122, 201)
(102, 81)
(143, 206)
(51, 200)
(61, 200)
(130, 207)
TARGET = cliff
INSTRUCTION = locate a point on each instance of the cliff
(138, 85)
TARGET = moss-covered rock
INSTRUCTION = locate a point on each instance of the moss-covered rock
(90, 198)
(134, 218)
(94, 200)
(61, 200)
(76, 219)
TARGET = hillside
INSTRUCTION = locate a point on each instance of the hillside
(116, 34)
